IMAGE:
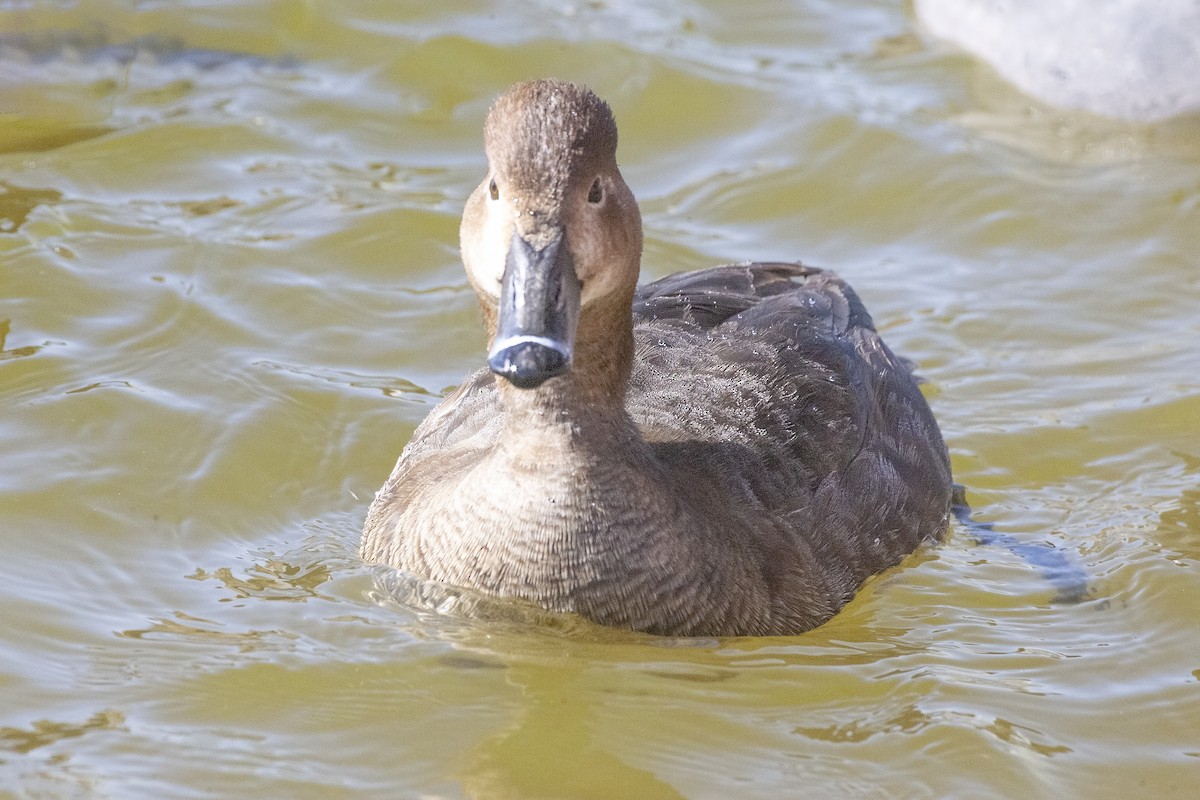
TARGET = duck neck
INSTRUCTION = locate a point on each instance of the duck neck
(591, 396)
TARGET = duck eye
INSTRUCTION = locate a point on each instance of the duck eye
(596, 194)
(494, 190)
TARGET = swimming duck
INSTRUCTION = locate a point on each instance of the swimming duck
(730, 451)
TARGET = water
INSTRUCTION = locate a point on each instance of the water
(229, 290)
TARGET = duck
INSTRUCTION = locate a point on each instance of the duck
(730, 451)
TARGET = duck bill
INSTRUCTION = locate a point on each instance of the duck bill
(537, 316)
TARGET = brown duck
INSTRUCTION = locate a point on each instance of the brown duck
(731, 451)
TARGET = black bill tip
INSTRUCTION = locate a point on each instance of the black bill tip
(527, 362)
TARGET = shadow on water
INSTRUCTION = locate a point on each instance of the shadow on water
(1068, 578)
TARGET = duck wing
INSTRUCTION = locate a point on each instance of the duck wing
(708, 298)
(767, 387)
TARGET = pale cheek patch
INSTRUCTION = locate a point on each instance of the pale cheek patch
(604, 283)
(486, 250)
(592, 248)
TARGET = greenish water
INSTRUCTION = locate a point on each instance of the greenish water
(229, 290)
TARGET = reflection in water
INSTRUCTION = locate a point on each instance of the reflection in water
(43, 135)
(1179, 527)
(1073, 138)
(293, 575)
(391, 386)
(102, 385)
(907, 720)
(92, 45)
(187, 626)
(517, 762)
(271, 580)
(45, 732)
(16, 352)
(40, 74)
(1020, 736)
(1066, 577)
(911, 720)
(16, 203)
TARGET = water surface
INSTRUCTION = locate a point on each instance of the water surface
(230, 289)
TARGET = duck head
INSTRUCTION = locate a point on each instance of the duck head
(552, 234)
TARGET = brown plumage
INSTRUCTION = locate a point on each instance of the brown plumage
(735, 457)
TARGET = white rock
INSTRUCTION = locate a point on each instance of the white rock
(1135, 60)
